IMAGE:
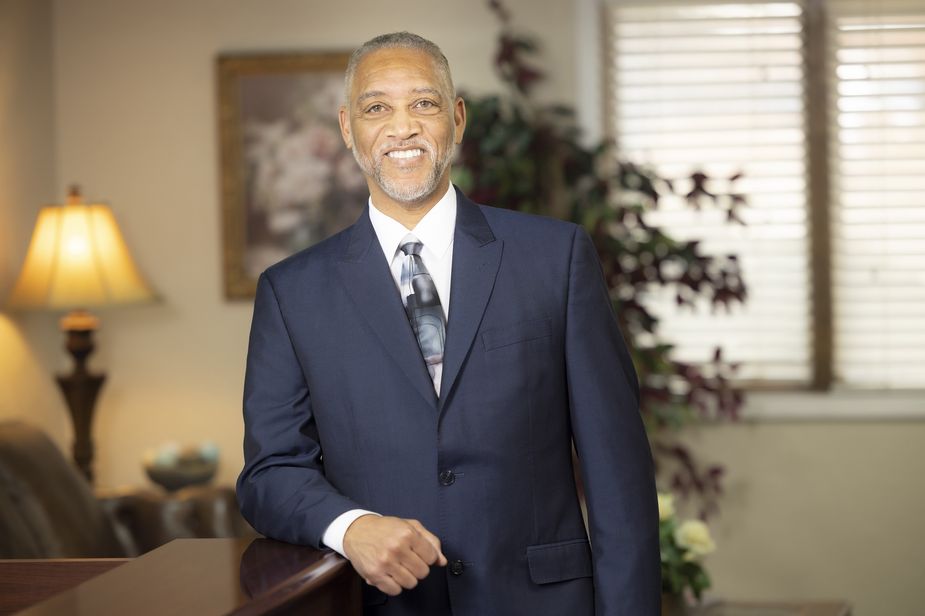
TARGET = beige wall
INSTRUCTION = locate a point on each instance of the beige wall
(27, 180)
(825, 509)
(820, 510)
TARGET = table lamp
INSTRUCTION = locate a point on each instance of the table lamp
(76, 260)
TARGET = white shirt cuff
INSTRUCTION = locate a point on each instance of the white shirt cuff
(334, 534)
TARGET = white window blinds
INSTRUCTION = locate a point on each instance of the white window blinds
(719, 87)
(878, 179)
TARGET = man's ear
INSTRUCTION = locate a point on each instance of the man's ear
(459, 120)
(344, 120)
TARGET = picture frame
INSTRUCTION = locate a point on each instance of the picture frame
(287, 181)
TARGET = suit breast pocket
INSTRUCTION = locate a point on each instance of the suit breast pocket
(521, 331)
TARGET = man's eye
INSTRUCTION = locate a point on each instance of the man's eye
(377, 108)
(425, 104)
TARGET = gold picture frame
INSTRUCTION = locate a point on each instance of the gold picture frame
(287, 181)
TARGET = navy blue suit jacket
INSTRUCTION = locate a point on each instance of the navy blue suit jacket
(340, 413)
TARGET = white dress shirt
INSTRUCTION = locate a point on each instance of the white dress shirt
(435, 232)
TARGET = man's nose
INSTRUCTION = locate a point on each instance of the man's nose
(403, 125)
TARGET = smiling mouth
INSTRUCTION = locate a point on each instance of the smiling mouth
(402, 154)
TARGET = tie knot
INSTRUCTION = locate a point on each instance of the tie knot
(411, 246)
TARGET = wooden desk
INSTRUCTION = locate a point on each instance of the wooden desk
(242, 577)
(213, 576)
(25, 582)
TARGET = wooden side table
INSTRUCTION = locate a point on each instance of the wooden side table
(772, 608)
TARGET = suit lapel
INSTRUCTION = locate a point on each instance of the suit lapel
(370, 284)
(476, 257)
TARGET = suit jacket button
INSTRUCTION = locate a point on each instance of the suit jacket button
(447, 478)
(456, 567)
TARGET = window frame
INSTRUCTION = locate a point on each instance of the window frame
(822, 397)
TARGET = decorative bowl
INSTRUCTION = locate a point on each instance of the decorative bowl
(172, 468)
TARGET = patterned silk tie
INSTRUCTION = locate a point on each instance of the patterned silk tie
(422, 304)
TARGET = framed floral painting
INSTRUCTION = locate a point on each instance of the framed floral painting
(287, 179)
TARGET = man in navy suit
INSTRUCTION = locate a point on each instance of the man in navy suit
(415, 383)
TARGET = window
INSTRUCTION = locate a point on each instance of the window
(831, 141)
(878, 199)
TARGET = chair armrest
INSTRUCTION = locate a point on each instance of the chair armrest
(144, 519)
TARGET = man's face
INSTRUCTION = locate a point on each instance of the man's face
(401, 123)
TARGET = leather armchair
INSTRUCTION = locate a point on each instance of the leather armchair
(146, 519)
(48, 510)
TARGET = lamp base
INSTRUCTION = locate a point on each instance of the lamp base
(81, 388)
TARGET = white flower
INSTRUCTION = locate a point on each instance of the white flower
(285, 220)
(323, 140)
(300, 176)
(665, 506)
(324, 95)
(694, 536)
(348, 174)
(291, 165)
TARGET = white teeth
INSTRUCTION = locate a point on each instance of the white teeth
(405, 153)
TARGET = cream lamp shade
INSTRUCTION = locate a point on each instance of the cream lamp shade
(77, 259)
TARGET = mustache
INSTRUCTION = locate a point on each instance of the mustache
(407, 143)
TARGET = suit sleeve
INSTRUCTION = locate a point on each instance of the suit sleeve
(282, 489)
(612, 446)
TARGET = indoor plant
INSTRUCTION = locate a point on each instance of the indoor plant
(683, 545)
(525, 156)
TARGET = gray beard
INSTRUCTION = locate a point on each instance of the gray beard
(404, 192)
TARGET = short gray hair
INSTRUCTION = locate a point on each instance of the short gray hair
(398, 40)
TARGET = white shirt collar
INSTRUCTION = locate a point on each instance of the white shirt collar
(435, 230)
